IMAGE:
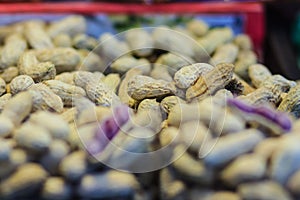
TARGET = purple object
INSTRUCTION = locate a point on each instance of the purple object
(108, 129)
(277, 117)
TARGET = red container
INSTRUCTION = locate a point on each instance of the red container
(253, 12)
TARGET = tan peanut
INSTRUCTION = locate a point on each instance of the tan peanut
(174, 62)
(4, 99)
(170, 186)
(218, 153)
(270, 90)
(13, 48)
(169, 102)
(197, 27)
(260, 96)
(66, 77)
(64, 59)
(9, 73)
(56, 187)
(33, 137)
(290, 103)
(111, 48)
(161, 72)
(71, 26)
(148, 104)
(101, 94)
(173, 41)
(65, 91)
(123, 64)
(83, 41)
(62, 40)
(258, 73)
(194, 134)
(244, 60)
(249, 167)
(38, 71)
(36, 35)
(26, 176)
(82, 78)
(225, 53)
(20, 83)
(6, 126)
(187, 76)
(140, 42)
(215, 38)
(112, 81)
(191, 169)
(2, 86)
(45, 99)
(124, 97)
(54, 123)
(209, 83)
(257, 190)
(90, 61)
(141, 87)
(69, 114)
(18, 107)
(243, 41)
(73, 166)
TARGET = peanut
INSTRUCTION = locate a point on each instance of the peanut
(65, 91)
(18, 108)
(112, 81)
(90, 62)
(9, 73)
(124, 97)
(4, 99)
(20, 83)
(172, 41)
(14, 47)
(197, 27)
(66, 77)
(37, 36)
(111, 48)
(27, 176)
(225, 53)
(218, 153)
(187, 76)
(257, 190)
(2, 86)
(64, 59)
(243, 41)
(38, 71)
(83, 41)
(209, 83)
(140, 42)
(174, 62)
(45, 99)
(215, 38)
(33, 137)
(161, 72)
(56, 126)
(249, 167)
(258, 73)
(245, 59)
(62, 40)
(141, 87)
(101, 94)
(290, 102)
(71, 26)
(56, 188)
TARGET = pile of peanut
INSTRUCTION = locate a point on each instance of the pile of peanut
(60, 88)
